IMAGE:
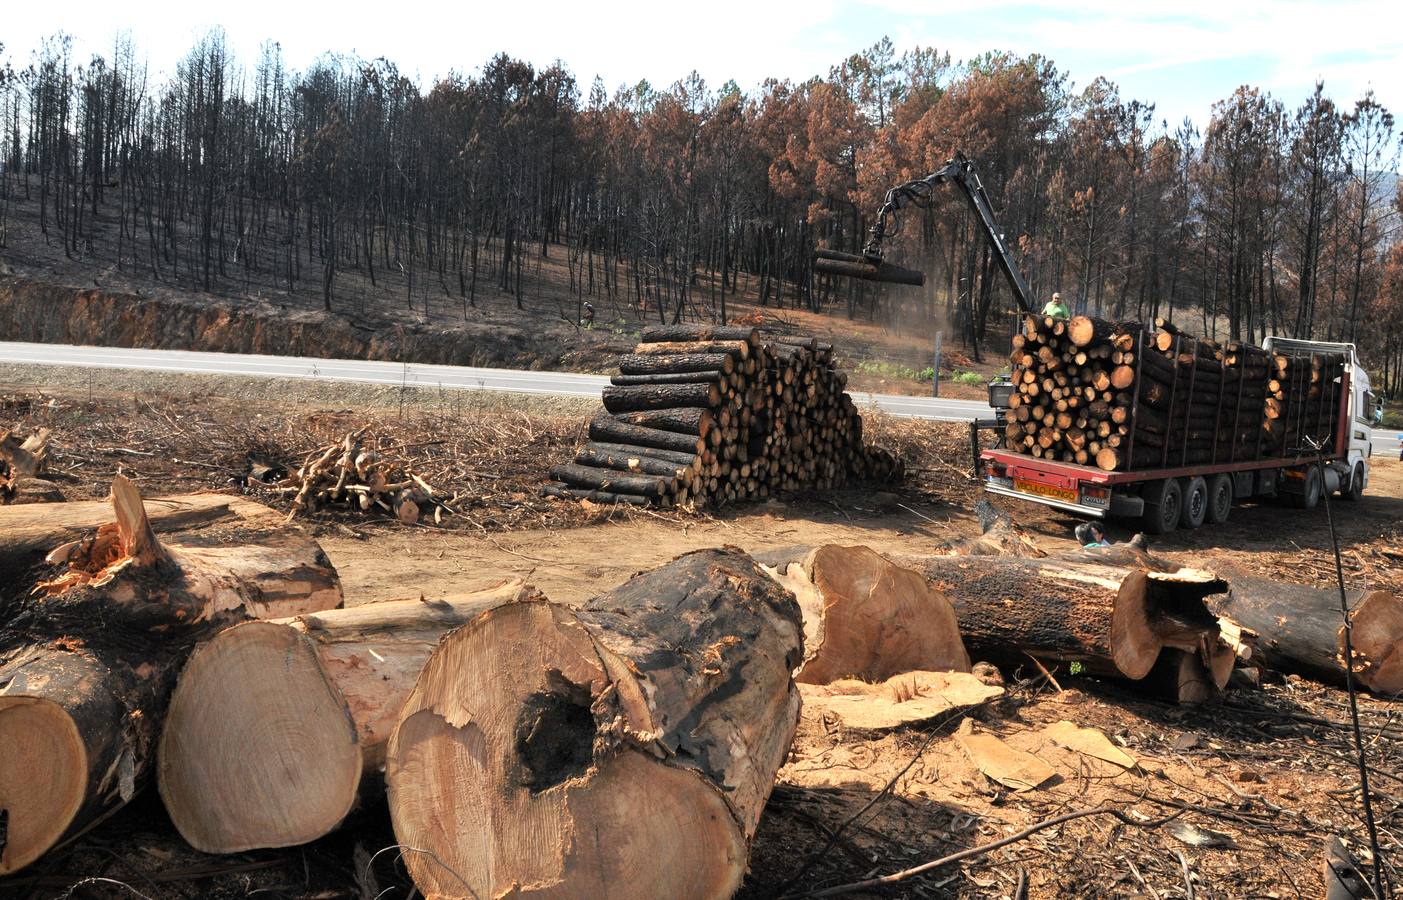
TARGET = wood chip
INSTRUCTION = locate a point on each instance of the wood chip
(1011, 768)
(900, 700)
(1088, 742)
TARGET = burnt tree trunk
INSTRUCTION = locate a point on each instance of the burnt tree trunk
(624, 749)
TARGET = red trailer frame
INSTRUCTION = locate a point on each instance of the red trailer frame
(1087, 490)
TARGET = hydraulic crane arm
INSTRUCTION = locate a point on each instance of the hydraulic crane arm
(959, 172)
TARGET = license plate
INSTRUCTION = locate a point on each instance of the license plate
(1045, 490)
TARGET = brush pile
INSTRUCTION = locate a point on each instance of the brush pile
(354, 473)
(710, 415)
(1124, 396)
(21, 459)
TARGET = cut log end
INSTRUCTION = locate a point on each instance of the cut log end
(867, 617)
(43, 779)
(279, 772)
(1376, 637)
(503, 719)
(1156, 610)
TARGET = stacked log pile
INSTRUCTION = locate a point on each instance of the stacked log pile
(1124, 396)
(710, 415)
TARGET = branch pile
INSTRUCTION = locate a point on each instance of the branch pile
(1124, 396)
(355, 474)
(711, 415)
(21, 459)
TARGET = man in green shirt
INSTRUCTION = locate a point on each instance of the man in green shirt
(1056, 308)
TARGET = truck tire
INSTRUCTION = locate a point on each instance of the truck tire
(1220, 498)
(1310, 490)
(1163, 500)
(1193, 509)
(1355, 489)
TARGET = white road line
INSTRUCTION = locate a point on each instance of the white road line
(515, 381)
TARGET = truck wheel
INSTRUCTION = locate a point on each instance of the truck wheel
(1195, 502)
(1310, 491)
(1220, 498)
(1356, 484)
(1163, 500)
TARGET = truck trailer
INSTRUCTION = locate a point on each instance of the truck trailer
(1325, 445)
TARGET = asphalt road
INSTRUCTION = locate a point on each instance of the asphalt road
(516, 381)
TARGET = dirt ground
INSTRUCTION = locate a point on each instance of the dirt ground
(1258, 781)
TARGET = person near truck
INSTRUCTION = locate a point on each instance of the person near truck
(1056, 308)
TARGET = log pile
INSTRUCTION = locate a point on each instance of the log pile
(277, 727)
(713, 414)
(1124, 396)
(356, 474)
(89, 653)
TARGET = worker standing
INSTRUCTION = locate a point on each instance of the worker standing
(1056, 308)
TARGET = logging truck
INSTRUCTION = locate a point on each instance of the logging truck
(1123, 420)
(1296, 436)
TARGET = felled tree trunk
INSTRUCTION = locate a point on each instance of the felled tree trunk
(622, 750)
(275, 726)
(87, 659)
(866, 617)
(1299, 628)
(1112, 620)
(29, 532)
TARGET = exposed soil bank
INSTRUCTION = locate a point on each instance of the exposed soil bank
(42, 312)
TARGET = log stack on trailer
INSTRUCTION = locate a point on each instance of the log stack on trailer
(1124, 396)
(713, 414)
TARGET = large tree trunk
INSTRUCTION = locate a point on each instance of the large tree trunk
(87, 659)
(866, 617)
(1299, 628)
(274, 726)
(621, 750)
(1112, 620)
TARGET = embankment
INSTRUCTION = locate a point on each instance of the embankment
(41, 312)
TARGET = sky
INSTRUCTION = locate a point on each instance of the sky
(1182, 56)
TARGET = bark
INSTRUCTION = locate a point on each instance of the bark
(672, 364)
(625, 450)
(624, 749)
(685, 420)
(669, 378)
(88, 658)
(1110, 619)
(692, 333)
(635, 462)
(738, 349)
(1299, 628)
(574, 475)
(866, 617)
(609, 429)
(632, 398)
(277, 728)
(568, 493)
